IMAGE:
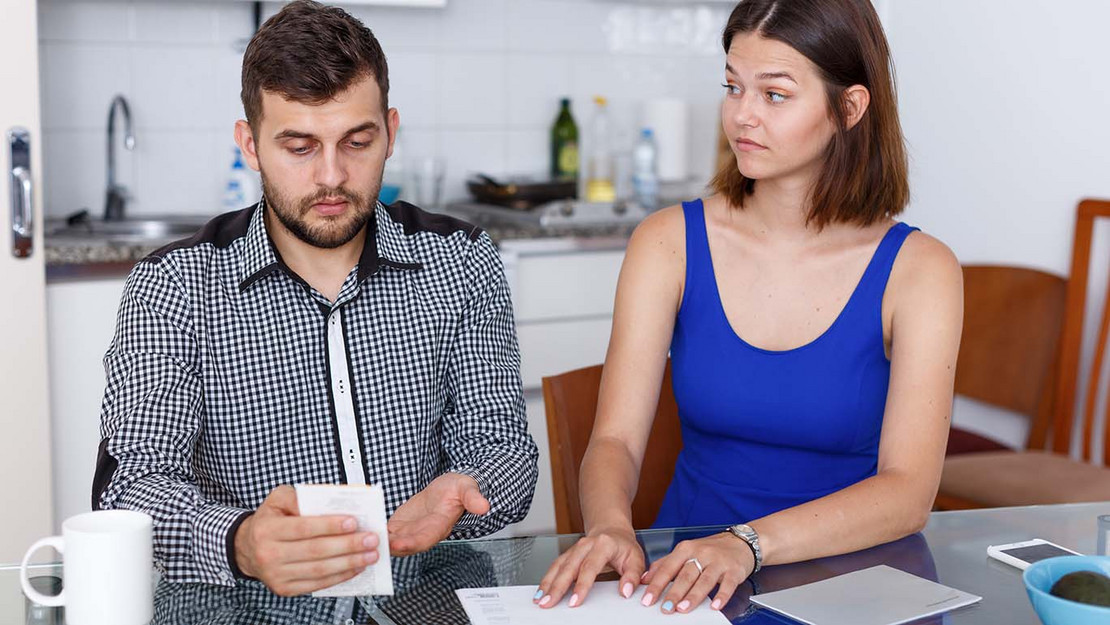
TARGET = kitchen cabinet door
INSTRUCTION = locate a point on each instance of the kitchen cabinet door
(24, 413)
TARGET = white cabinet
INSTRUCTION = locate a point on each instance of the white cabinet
(563, 303)
(563, 293)
(81, 317)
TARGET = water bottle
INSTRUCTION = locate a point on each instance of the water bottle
(599, 180)
(645, 180)
(241, 188)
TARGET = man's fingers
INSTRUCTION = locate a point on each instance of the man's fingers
(324, 547)
(305, 586)
(323, 569)
(474, 502)
(283, 499)
(306, 527)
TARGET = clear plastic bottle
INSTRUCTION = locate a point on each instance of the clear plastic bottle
(242, 186)
(645, 177)
(599, 180)
(394, 185)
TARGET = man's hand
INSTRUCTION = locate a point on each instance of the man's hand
(295, 555)
(421, 522)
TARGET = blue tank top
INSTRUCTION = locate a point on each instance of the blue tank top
(767, 430)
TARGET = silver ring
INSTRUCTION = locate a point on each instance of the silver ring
(697, 563)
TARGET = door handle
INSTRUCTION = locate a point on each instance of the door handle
(22, 192)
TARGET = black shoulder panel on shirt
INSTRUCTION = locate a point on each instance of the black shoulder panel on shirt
(414, 220)
(221, 232)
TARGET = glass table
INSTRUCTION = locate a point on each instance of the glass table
(951, 550)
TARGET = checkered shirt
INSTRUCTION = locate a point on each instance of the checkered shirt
(219, 381)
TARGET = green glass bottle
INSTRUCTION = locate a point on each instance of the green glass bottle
(564, 145)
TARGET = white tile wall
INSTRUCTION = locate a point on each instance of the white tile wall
(477, 83)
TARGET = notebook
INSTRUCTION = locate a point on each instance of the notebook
(880, 595)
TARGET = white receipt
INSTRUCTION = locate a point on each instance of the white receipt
(512, 605)
(367, 505)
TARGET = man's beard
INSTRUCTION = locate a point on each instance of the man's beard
(336, 230)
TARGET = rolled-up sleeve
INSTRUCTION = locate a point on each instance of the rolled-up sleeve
(151, 416)
(486, 428)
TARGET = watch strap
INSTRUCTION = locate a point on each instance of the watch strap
(751, 539)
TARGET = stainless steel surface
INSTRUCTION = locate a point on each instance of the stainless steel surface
(951, 550)
(22, 198)
(115, 203)
(138, 230)
(555, 214)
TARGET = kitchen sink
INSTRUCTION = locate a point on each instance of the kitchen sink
(134, 230)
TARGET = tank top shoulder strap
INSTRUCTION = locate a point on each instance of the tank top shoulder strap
(699, 264)
(877, 274)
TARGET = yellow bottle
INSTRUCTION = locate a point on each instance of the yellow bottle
(599, 178)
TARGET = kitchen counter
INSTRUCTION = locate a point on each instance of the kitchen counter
(69, 258)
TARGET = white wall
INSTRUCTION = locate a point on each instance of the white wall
(477, 83)
(1006, 108)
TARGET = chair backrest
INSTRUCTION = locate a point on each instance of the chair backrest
(1012, 324)
(1072, 340)
(570, 400)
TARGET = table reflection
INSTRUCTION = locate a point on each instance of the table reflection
(425, 583)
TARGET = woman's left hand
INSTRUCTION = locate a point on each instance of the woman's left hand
(726, 561)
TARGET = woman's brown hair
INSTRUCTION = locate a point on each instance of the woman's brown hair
(864, 177)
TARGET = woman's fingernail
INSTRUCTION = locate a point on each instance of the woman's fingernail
(627, 590)
(349, 524)
(536, 597)
(716, 605)
(647, 599)
(668, 605)
(644, 576)
(546, 600)
(685, 605)
(573, 600)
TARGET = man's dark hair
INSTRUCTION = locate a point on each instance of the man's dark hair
(309, 53)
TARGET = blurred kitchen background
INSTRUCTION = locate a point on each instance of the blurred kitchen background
(1004, 105)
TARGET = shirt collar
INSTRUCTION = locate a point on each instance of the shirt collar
(385, 245)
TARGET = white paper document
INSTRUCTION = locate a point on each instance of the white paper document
(880, 595)
(367, 505)
(512, 605)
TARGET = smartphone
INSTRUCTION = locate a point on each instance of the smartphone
(1025, 553)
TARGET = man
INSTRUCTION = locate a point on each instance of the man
(318, 337)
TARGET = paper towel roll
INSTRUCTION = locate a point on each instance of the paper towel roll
(667, 119)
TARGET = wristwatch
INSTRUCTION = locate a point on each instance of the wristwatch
(747, 534)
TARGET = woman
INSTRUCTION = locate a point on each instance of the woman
(813, 338)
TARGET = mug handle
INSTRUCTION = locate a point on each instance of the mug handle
(48, 600)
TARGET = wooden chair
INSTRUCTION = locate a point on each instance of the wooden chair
(1008, 354)
(570, 400)
(1044, 473)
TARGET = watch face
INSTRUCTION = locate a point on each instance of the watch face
(744, 529)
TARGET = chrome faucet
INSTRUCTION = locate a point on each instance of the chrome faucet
(116, 200)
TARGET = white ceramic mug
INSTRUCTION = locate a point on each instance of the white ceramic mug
(107, 564)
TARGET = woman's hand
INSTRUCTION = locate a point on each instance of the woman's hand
(580, 565)
(726, 561)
